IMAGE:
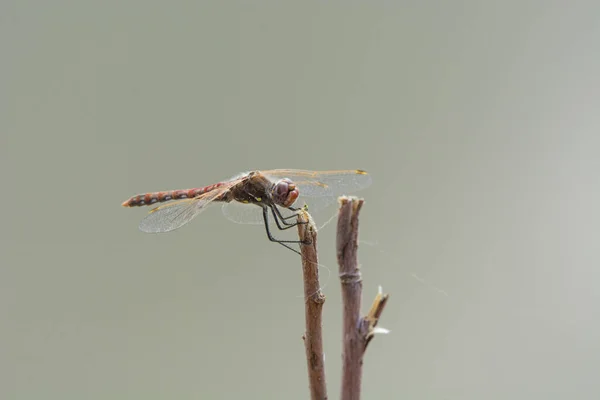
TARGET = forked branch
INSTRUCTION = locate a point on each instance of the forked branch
(313, 299)
(357, 331)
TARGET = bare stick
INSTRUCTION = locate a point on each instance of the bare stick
(358, 331)
(313, 299)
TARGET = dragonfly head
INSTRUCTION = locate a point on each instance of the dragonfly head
(284, 192)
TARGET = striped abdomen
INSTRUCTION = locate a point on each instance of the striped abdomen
(148, 199)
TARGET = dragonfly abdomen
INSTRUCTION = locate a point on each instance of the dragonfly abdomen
(147, 199)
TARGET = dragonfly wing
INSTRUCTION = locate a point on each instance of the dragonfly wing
(249, 214)
(174, 215)
(320, 189)
(324, 183)
(171, 216)
(243, 213)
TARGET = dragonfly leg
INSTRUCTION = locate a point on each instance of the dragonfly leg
(295, 210)
(272, 239)
(277, 216)
(284, 219)
(295, 214)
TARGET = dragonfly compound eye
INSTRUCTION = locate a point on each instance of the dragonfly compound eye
(285, 193)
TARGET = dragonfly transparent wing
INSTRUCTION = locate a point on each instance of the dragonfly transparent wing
(323, 183)
(320, 189)
(249, 213)
(174, 215)
(243, 213)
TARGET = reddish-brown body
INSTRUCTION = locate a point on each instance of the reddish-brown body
(148, 199)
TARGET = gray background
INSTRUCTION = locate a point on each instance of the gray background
(477, 120)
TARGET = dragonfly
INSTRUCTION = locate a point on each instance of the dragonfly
(271, 190)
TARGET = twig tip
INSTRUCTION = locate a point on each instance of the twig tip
(380, 331)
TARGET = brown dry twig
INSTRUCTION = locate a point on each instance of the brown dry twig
(313, 299)
(358, 331)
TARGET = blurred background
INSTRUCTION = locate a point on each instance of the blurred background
(478, 122)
